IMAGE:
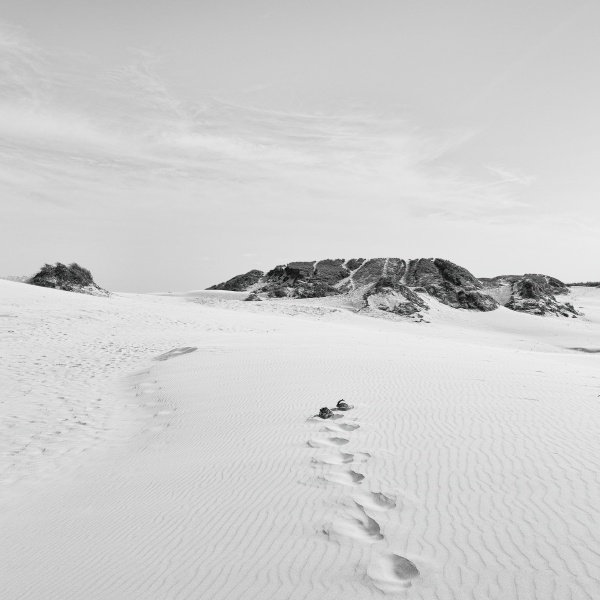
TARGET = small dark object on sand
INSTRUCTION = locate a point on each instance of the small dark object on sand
(342, 405)
(325, 413)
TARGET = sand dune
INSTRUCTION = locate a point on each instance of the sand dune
(160, 447)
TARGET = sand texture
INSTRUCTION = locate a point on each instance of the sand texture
(166, 447)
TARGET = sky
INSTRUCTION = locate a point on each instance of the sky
(173, 145)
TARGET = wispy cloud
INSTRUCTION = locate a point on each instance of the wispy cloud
(22, 66)
(121, 135)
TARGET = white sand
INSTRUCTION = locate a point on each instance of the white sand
(468, 469)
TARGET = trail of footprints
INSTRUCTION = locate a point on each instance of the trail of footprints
(390, 573)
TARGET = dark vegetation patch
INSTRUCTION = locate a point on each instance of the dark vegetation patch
(449, 283)
(354, 263)
(396, 268)
(70, 278)
(456, 275)
(371, 271)
(532, 284)
(331, 270)
(534, 293)
(303, 279)
(390, 295)
(240, 283)
(299, 270)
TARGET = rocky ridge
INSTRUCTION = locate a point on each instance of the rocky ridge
(402, 287)
(531, 293)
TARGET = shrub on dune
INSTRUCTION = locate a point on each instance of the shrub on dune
(70, 278)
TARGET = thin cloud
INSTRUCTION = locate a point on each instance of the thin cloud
(22, 66)
(122, 135)
(506, 175)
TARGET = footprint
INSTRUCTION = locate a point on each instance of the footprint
(376, 501)
(361, 457)
(360, 527)
(175, 352)
(317, 419)
(327, 442)
(403, 568)
(340, 427)
(392, 572)
(335, 459)
(348, 477)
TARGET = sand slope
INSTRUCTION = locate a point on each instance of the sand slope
(467, 469)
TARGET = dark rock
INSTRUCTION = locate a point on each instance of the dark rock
(422, 272)
(475, 300)
(331, 271)
(305, 279)
(370, 272)
(354, 263)
(291, 272)
(341, 405)
(395, 269)
(449, 283)
(391, 284)
(299, 270)
(240, 283)
(393, 297)
(253, 297)
(325, 413)
(278, 292)
(456, 275)
(532, 293)
(70, 278)
(315, 289)
(277, 273)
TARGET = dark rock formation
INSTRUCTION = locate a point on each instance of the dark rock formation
(70, 278)
(393, 297)
(331, 271)
(353, 263)
(303, 279)
(532, 293)
(299, 270)
(394, 285)
(395, 269)
(449, 283)
(474, 300)
(369, 272)
(240, 283)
